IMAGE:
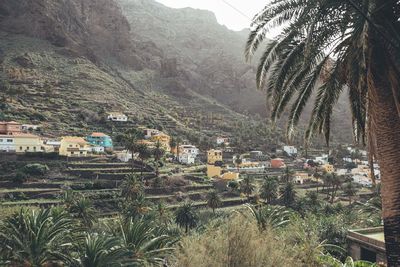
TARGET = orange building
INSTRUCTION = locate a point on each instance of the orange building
(10, 127)
(277, 163)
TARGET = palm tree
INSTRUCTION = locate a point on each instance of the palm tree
(144, 154)
(288, 175)
(136, 208)
(131, 187)
(83, 210)
(35, 238)
(288, 194)
(157, 152)
(186, 216)
(129, 140)
(144, 243)
(100, 251)
(213, 200)
(269, 189)
(246, 186)
(343, 43)
(178, 143)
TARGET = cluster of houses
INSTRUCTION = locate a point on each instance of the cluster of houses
(17, 138)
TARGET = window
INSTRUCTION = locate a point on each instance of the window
(72, 153)
(34, 148)
(20, 148)
(9, 140)
(1, 140)
(27, 148)
(70, 145)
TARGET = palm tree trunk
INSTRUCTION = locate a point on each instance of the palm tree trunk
(386, 127)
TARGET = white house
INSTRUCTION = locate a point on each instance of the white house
(7, 143)
(290, 150)
(124, 155)
(187, 158)
(148, 133)
(189, 149)
(97, 149)
(30, 127)
(222, 140)
(322, 159)
(116, 116)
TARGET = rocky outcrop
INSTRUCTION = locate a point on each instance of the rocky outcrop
(95, 29)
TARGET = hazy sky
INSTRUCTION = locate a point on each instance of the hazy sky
(235, 14)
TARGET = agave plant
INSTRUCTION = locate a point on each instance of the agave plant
(146, 245)
(36, 238)
(99, 250)
(269, 216)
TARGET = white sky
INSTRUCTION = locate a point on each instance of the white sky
(224, 10)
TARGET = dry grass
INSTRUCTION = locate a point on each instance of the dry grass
(237, 243)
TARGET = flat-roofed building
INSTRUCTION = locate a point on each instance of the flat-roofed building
(367, 244)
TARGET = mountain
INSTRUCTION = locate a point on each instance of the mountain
(64, 63)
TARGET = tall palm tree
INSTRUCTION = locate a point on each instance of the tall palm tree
(186, 216)
(83, 210)
(213, 200)
(344, 44)
(157, 152)
(288, 194)
(144, 154)
(246, 186)
(129, 140)
(35, 238)
(269, 189)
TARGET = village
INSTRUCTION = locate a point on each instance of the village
(220, 165)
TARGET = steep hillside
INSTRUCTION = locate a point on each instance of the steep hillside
(209, 56)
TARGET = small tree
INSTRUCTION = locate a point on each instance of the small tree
(238, 161)
(213, 200)
(350, 190)
(186, 216)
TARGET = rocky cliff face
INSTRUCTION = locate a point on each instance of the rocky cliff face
(95, 29)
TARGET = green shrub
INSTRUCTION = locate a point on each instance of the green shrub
(20, 177)
(35, 169)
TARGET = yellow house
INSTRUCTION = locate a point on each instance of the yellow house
(73, 146)
(301, 177)
(164, 140)
(214, 156)
(230, 176)
(213, 171)
(27, 143)
(328, 168)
